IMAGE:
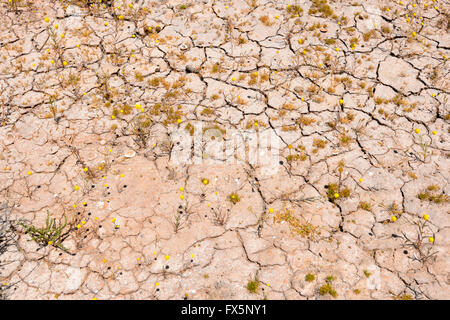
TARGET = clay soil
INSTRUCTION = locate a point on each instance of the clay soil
(98, 99)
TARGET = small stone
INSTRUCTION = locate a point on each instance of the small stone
(130, 154)
(191, 69)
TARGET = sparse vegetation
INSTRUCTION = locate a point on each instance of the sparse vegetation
(404, 296)
(322, 7)
(310, 277)
(335, 192)
(433, 194)
(289, 127)
(265, 21)
(234, 198)
(365, 206)
(327, 288)
(253, 286)
(296, 225)
(50, 235)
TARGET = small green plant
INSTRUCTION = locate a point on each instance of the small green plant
(404, 296)
(345, 193)
(394, 209)
(322, 7)
(330, 279)
(220, 216)
(52, 108)
(367, 273)
(50, 235)
(328, 288)
(310, 277)
(424, 146)
(294, 10)
(296, 225)
(432, 194)
(178, 222)
(365, 206)
(423, 241)
(234, 198)
(335, 192)
(252, 286)
(140, 128)
(181, 217)
(14, 4)
(344, 140)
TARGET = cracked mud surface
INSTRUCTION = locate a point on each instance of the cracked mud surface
(357, 94)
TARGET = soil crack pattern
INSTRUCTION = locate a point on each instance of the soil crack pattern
(236, 149)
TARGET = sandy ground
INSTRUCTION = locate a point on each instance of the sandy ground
(99, 104)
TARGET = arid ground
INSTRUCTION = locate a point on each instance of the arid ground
(103, 196)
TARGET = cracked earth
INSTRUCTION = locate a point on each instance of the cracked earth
(356, 93)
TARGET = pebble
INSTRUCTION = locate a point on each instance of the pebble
(190, 69)
(130, 154)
